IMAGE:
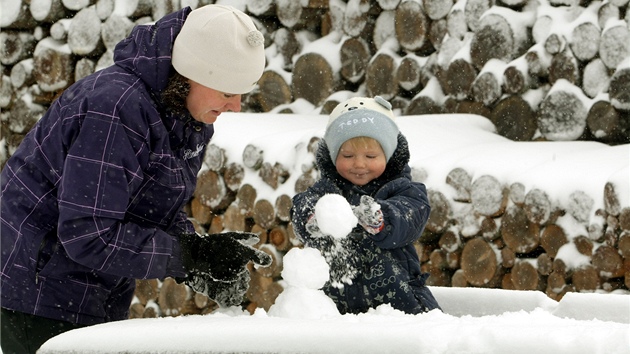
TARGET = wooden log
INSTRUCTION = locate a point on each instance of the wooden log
(211, 190)
(518, 232)
(48, 11)
(595, 78)
(53, 65)
(456, 26)
(562, 113)
(605, 123)
(624, 244)
(76, 5)
(412, 25)
(274, 90)
(538, 61)
(287, 46)
(15, 46)
(22, 73)
(234, 218)
(384, 30)
(441, 211)
(304, 181)
(487, 87)
(84, 34)
(437, 34)
(160, 8)
(502, 34)
(565, 66)
(83, 68)
(355, 17)
(214, 158)
(246, 199)
(488, 196)
(261, 8)
(275, 269)
(552, 238)
(16, 15)
(427, 101)
(309, 68)
(411, 74)
(388, 4)
(608, 262)
(461, 181)
(537, 206)
(200, 211)
(437, 9)
(380, 76)
(516, 77)
(586, 34)
(612, 205)
(283, 206)
(479, 262)
(473, 10)
(514, 118)
(355, 55)
(273, 175)
(136, 310)
(624, 219)
(468, 222)
(544, 264)
(115, 29)
(146, 290)
(614, 44)
(525, 276)
(508, 257)
(233, 176)
(607, 11)
(517, 193)
(59, 29)
(7, 92)
(252, 157)
(580, 206)
(619, 90)
(459, 76)
(264, 214)
(586, 278)
(172, 297)
(263, 291)
(458, 280)
(279, 238)
(556, 284)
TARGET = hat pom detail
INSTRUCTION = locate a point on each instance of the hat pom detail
(255, 38)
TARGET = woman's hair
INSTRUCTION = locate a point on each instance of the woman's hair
(175, 93)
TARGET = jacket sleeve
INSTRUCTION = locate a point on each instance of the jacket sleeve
(304, 207)
(406, 210)
(102, 172)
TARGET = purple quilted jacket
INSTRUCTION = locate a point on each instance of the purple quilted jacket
(92, 199)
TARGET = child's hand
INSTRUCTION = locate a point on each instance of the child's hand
(312, 227)
(369, 214)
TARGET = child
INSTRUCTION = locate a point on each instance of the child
(364, 158)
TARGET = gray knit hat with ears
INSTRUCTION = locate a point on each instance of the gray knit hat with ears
(362, 116)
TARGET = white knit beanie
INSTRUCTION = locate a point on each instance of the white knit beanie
(362, 116)
(220, 48)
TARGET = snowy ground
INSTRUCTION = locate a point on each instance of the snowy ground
(474, 320)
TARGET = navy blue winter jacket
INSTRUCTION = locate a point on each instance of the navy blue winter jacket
(92, 198)
(387, 263)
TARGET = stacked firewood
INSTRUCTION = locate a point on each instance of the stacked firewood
(539, 70)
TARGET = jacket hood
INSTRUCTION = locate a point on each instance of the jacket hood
(397, 165)
(147, 51)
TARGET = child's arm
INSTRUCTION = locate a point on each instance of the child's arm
(303, 210)
(405, 207)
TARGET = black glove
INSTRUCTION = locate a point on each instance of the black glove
(223, 257)
(369, 214)
(223, 293)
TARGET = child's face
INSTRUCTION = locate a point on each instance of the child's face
(360, 161)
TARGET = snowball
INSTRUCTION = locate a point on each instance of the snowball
(334, 216)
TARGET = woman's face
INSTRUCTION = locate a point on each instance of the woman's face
(360, 163)
(206, 104)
